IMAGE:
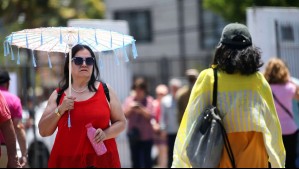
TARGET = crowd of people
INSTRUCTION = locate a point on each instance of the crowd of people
(260, 128)
(256, 107)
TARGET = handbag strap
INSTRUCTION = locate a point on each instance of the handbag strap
(106, 90)
(215, 90)
(224, 135)
(282, 106)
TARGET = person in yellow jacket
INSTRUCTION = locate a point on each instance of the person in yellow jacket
(245, 99)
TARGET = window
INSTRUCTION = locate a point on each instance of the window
(139, 23)
(287, 33)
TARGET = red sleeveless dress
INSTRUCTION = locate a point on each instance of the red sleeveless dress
(72, 148)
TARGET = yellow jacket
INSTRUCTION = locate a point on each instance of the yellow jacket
(246, 102)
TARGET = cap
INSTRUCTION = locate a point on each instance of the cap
(4, 76)
(162, 89)
(192, 72)
(236, 35)
(175, 82)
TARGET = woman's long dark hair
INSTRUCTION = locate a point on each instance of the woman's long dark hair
(63, 85)
(235, 60)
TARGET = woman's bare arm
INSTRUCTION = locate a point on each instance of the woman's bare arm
(118, 119)
(48, 122)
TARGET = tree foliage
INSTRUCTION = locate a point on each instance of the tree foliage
(235, 10)
(37, 13)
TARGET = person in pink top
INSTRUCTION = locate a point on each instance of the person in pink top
(139, 111)
(8, 132)
(284, 91)
(15, 108)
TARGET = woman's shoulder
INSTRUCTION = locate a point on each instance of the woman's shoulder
(287, 87)
(259, 80)
(208, 71)
(205, 74)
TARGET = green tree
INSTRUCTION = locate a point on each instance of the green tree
(235, 10)
(37, 13)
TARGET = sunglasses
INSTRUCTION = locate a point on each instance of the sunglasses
(79, 61)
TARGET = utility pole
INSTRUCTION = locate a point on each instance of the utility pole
(181, 34)
(200, 23)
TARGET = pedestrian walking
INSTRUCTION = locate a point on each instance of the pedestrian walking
(15, 108)
(284, 91)
(91, 102)
(244, 100)
(8, 132)
(139, 111)
(184, 92)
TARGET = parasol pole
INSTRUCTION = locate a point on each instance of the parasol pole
(70, 70)
(70, 82)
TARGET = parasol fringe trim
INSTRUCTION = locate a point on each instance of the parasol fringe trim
(33, 58)
(12, 54)
(7, 49)
(125, 50)
(60, 37)
(4, 47)
(69, 120)
(18, 61)
(49, 60)
(27, 44)
(134, 50)
(126, 55)
(116, 58)
(95, 36)
(41, 39)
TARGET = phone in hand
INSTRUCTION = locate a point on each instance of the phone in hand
(136, 105)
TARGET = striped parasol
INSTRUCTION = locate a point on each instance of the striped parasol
(62, 39)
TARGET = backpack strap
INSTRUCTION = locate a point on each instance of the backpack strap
(106, 90)
(59, 95)
(224, 134)
(215, 87)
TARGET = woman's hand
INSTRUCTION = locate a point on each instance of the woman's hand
(67, 104)
(23, 161)
(100, 135)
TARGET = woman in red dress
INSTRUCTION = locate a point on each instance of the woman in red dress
(88, 104)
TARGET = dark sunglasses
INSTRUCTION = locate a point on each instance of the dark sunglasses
(79, 61)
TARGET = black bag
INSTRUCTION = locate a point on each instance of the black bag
(209, 136)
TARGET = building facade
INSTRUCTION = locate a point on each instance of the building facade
(276, 34)
(172, 35)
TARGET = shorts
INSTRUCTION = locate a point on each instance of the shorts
(3, 158)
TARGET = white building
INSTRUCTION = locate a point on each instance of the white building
(172, 35)
(276, 31)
